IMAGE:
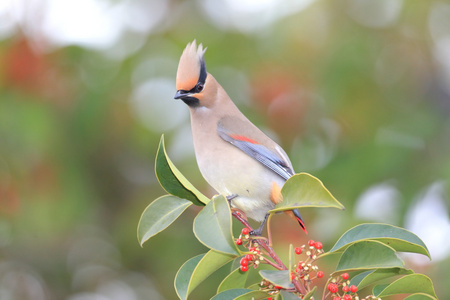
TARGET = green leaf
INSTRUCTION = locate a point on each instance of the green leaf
(420, 296)
(357, 279)
(253, 295)
(212, 226)
(310, 294)
(197, 269)
(398, 238)
(409, 284)
(173, 181)
(291, 258)
(305, 190)
(285, 295)
(368, 255)
(159, 215)
(234, 280)
(184, 275)
(230, 294)
(254, 287)
(378, 288)
(280, 278)
(367, 278)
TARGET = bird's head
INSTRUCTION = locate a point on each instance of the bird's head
(193, 82)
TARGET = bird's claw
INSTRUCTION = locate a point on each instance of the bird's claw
(231, 197)
(256, 232)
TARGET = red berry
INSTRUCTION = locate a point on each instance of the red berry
(345, 276)
(244, 262)
(311, 242)
(319, 274)
(245, 231)
(318, 245)
(345, 289)
(239, 242)
(278, 287)
(249, 257)
(347, 297)
(292, 275)
(244, 268)
(332, 287)
(270, 298)
(337, 298)
(298, 250)
(353, 289)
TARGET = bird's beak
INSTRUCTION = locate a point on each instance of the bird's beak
(181, 94)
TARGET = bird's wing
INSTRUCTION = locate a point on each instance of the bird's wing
(247, 140)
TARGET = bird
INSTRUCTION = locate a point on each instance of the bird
(233, 155)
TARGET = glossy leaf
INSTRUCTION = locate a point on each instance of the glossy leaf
(285, 295)
(291, 257)
(230, 294)
(253, 295)
(159, 215)
(197, 269)
(409, 284)
(398, 238)
(368, 255)
(184, 275)
(235, 280)
(369, 277)
(305, 190)
(212, 226)
(379, 288)
(420, 296)
(310, 294)
(280, 278)
(255, 286)
(173, 181)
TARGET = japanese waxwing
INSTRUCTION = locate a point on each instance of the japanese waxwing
(236, 158)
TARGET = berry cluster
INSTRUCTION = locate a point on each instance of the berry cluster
(254, 257)
(348, 291)
(246, 233)
(305, 270)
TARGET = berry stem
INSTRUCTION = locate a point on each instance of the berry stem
(238, 215)
(266, 244)
(276, 266)
(299, 287)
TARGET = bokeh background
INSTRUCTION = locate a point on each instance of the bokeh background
(356, 91)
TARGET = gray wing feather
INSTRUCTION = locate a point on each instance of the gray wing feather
(259, 152)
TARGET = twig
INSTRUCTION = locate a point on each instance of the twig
(299, 287)
(272, 254)
(269, 232)
(266, 244)
(238, 215)
(266, 261)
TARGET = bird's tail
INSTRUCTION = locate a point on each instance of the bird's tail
(299, 219)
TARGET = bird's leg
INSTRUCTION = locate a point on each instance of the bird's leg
(231, 197)
(261, 227)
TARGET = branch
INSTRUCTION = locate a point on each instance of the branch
(238, 215)
(266, 245)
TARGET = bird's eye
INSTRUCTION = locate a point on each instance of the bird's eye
(199, 87)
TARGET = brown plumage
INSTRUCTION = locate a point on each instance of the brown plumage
(234, 156)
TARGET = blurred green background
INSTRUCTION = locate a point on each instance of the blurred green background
(356, 91)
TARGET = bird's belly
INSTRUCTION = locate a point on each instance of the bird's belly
(243, 176)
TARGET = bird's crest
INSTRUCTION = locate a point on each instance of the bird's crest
(192, 67)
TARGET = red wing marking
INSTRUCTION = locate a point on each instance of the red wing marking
(243, 138)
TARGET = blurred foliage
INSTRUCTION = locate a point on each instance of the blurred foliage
(356, 91)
